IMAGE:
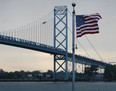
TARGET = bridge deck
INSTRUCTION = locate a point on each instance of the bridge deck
(47, 49)
(29, 45)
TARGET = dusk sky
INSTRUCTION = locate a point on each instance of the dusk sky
(16, 13)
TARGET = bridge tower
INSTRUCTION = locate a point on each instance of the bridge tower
(61, 40)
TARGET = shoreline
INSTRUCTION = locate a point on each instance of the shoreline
(22, 80)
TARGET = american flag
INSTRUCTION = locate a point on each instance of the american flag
(87, 24)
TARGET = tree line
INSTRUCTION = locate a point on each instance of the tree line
(90, 74)
(25, 75)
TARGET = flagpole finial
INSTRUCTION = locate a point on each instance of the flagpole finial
(73, 4)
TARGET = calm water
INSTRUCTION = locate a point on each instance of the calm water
(58, 86)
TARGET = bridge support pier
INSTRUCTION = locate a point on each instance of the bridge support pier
(61, 41)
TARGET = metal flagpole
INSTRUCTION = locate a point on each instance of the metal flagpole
(73, 47)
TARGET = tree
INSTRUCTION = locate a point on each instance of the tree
(50, 72)
(3, 74)
(110, 73)
(90, 72)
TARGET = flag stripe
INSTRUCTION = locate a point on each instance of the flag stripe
(93, 15)
(90, 30)
(91, 19)
(87, 33)
(92, 25)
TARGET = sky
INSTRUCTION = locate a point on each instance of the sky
(15, 13)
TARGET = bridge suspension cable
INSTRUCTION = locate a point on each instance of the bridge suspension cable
(40, 31)
(93, 48)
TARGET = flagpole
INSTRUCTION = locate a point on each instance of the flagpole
(73, 47)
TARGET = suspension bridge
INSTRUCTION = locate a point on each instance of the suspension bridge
(49, 34)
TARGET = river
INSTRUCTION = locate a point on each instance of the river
(57, 86)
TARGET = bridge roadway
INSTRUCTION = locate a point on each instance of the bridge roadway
(6, 40)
